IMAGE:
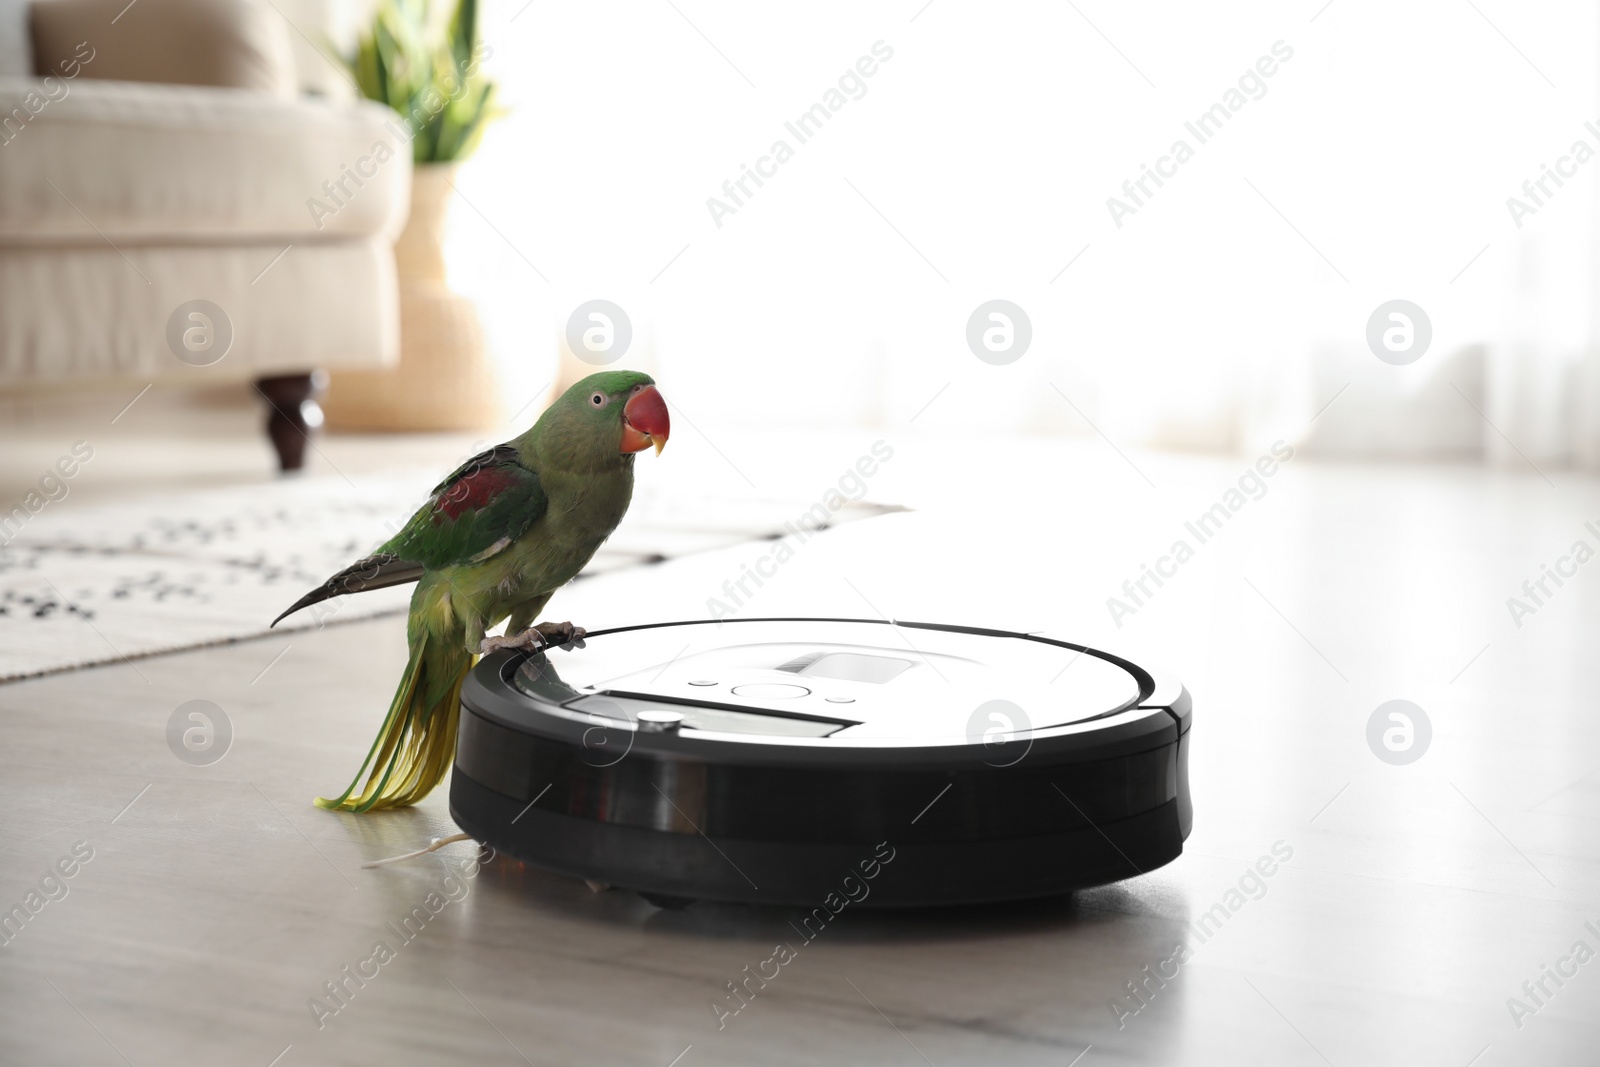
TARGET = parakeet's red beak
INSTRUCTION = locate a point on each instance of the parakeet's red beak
(645, 421)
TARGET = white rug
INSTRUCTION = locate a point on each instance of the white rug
(115, 582)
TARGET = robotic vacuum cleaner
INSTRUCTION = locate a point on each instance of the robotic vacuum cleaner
(781, 761)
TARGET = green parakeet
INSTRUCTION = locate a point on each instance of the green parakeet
(494, 541)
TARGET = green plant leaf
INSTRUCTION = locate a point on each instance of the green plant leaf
(423, 76)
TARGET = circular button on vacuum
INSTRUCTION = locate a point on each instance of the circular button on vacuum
(770, 691)
(702, 683)
(841, 700)
(657, 721)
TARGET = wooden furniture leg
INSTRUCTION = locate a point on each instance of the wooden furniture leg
(295, 414)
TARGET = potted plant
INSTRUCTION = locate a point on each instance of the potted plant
(430, 75)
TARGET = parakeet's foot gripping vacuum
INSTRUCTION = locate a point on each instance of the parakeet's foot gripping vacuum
(792, 761)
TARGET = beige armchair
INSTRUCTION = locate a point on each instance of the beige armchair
(172, 209)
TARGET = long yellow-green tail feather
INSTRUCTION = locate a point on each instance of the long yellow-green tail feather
(417, 742)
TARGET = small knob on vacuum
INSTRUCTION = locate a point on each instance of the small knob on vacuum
(657, 721)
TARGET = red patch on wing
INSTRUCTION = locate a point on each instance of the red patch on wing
(472, 491)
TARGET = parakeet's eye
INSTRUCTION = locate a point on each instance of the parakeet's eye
(598, 400)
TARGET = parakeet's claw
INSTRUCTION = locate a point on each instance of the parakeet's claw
(527, 641)
(562, 634)
(537, 638)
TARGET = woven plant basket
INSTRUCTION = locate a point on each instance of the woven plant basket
(445, 379)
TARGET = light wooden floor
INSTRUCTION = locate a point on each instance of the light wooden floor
(1417, 900)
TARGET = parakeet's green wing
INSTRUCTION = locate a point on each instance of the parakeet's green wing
(490, 501)
(499, 455)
